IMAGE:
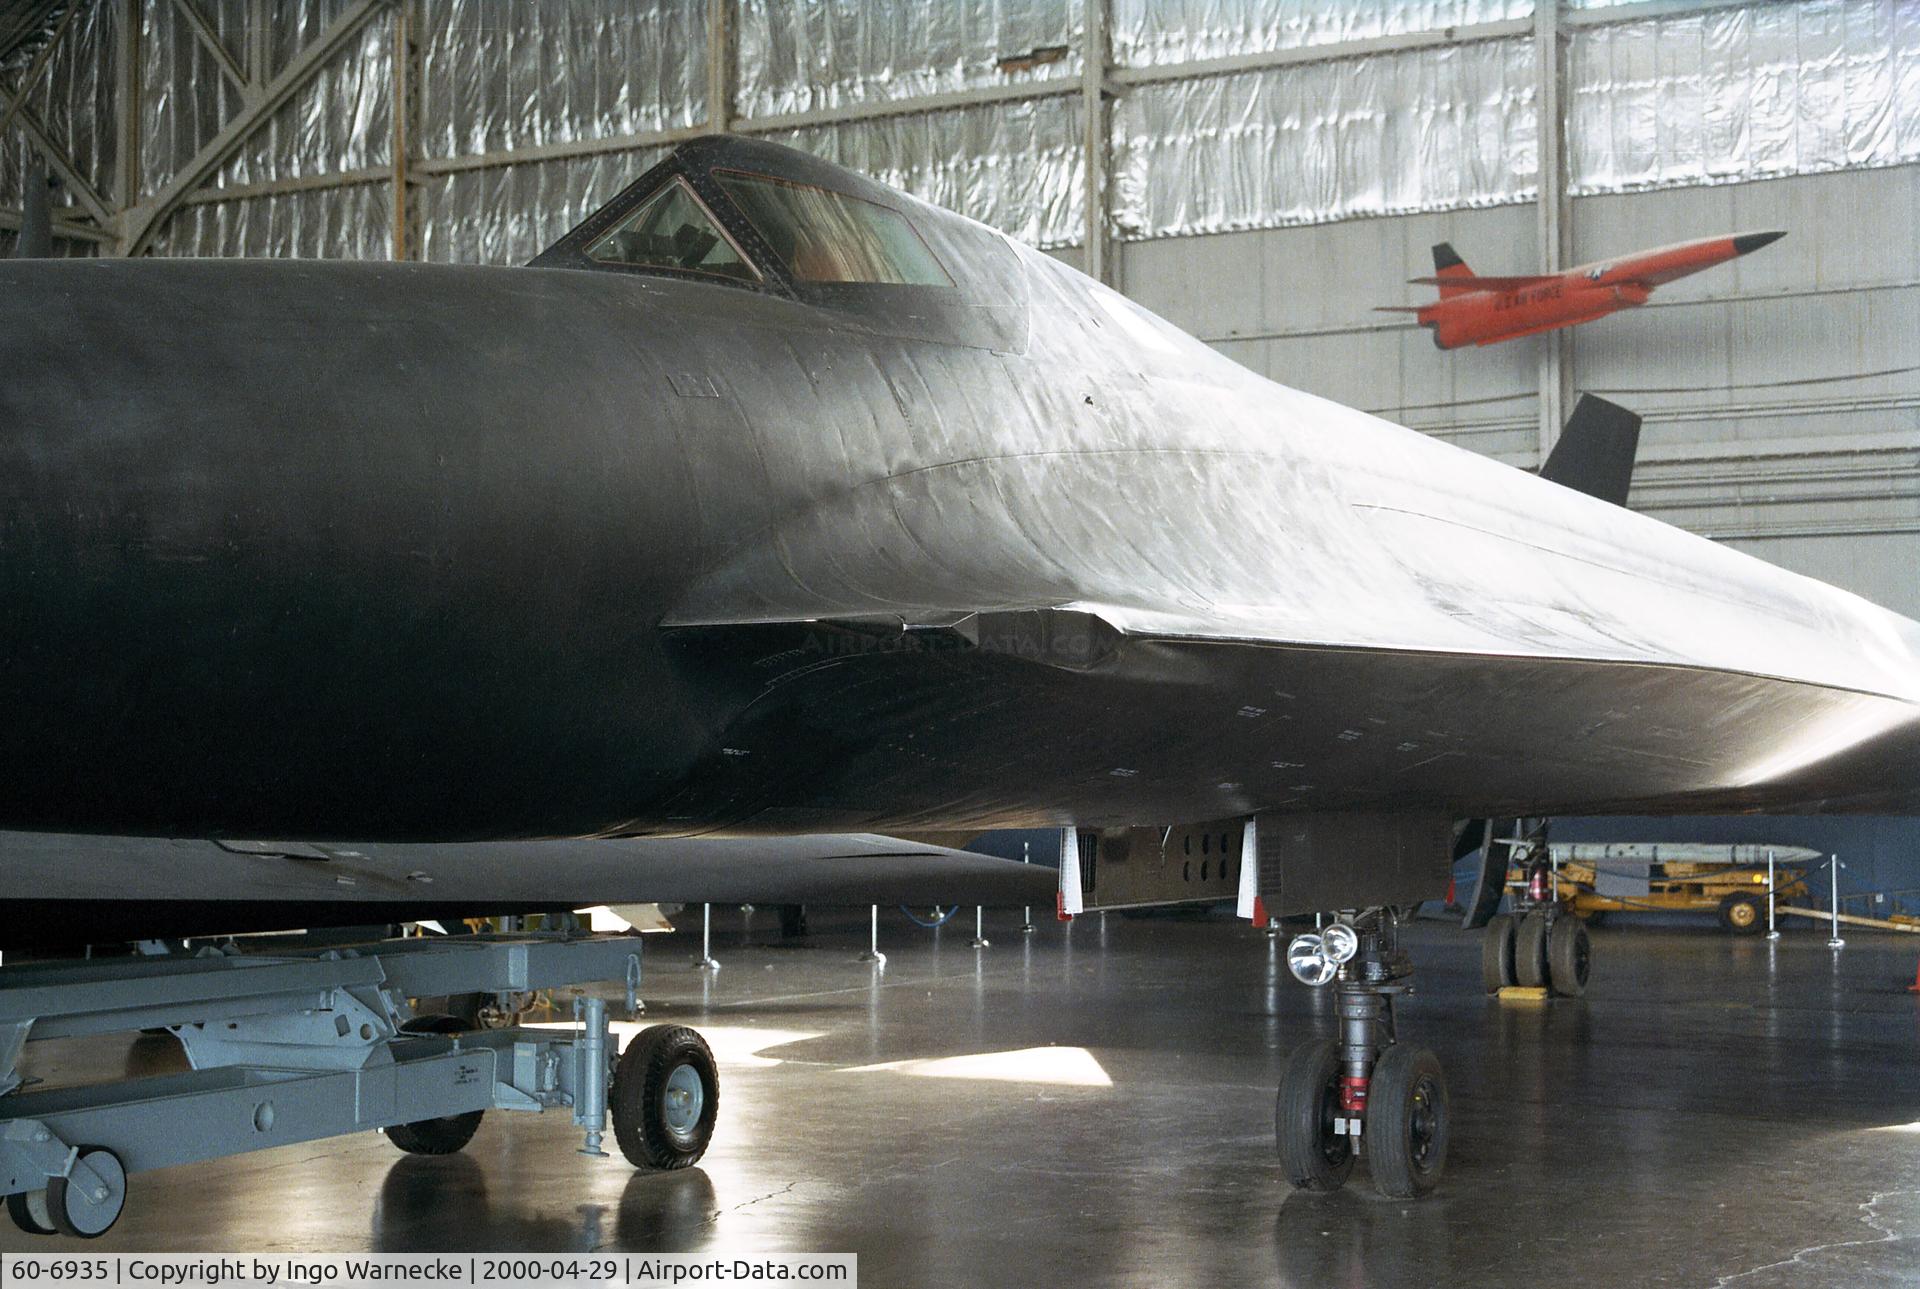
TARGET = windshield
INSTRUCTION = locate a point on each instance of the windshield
(672, 230)
(825, 236)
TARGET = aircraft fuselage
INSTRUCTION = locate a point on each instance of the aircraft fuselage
(411, 552)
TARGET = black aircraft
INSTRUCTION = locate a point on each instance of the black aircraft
(772, 501)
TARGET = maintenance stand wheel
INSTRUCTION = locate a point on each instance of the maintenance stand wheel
(28, 1209)
(89, 1200)
(446, 1135)
(1569, 957)
(1314, 1157)
(665, 1096)
(1743, 914)
(1406, 1122)
(1530, 950)
(1496, 953)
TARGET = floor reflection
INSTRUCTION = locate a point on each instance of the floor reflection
(1354, 1238)
(444, 1204)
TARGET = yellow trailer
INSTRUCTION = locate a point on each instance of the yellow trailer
(1596, 879)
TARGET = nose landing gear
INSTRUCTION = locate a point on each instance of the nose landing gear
(1365, 1092)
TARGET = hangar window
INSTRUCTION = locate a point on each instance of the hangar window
(671, 230)
(825, 236)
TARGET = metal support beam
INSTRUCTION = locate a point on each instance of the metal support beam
(1095, 137)
(556, 151)
(406, 127)
(37, 66)
(1012, 92)
(62, 228)
(203, 31)
(1553, 220)
(126, 103)
(56, 157)
(296, 183)
(721, 70)
(1618, 13)
(142, 222)
(259, 41)
(1267, 59)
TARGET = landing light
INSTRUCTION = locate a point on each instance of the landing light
(1308, 961)
(1340, 942)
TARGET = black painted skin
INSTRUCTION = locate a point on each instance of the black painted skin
(424, 553)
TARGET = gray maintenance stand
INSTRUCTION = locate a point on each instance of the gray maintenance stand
(292, 1047)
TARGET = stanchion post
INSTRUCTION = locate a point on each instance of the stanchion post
(706, 962)
(1773, 932)
(1026, 910)
(873, 953)
(979, 929)
(1833, 912)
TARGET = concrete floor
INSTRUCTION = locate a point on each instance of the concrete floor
(1717, 1111)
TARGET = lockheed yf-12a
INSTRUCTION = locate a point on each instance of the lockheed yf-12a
(771, 501)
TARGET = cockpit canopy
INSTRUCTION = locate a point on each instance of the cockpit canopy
(752, 214)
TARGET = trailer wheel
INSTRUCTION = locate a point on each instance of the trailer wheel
(28, 1209)
(1742, 914)
(665, 1097)
(87, 1206)
(448, 1134)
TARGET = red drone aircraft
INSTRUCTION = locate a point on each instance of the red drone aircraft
(1475, 310)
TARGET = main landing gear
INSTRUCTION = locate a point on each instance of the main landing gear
(1539, 945)
(1366, 1090)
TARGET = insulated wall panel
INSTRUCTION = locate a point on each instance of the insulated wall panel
(1157, 33)
(1734, 94)
(1428, 129)
(509, 214)
(1016, 166)
(804, 57)
(499, 76)
(325, 223)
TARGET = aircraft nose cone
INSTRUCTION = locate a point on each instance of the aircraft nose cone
(1747, 243)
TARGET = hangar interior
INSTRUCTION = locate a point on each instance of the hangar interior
(1265, 176)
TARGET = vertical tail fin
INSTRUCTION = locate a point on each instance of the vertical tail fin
(1448, 265)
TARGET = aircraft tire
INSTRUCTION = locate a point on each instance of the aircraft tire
(1569, 957)
(665, 1097)
(448, 1134)
(1314, 1157)
(1407, 1122)
(1530, 951)
(1743, 914)
(1496, 953)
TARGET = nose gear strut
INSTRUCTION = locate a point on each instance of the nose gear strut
(1365, 1091)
